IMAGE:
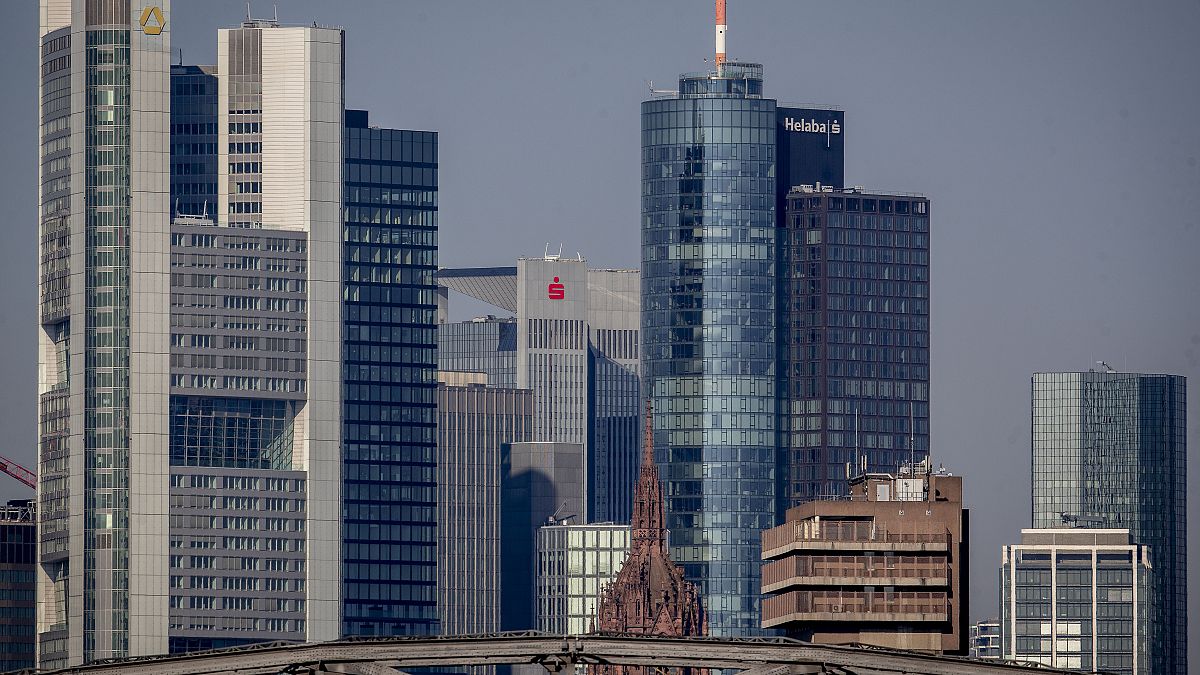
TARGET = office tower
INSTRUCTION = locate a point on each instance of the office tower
(728, 296)
(474, 422)
(194, 141)
(886, 567)
(574, 564)
(103, 236)
(985, 640)
(540, 482)
(485, 345)
(389, 495)
(853, 336)
(576, 348)
(650, 594)
(18, 562)
(1110, 450)
(1078, 599)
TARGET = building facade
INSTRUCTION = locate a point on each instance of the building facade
(474, 422)
(18, 588)
(540, 483)
(853, 336)
(575, 346)
(194, 141)
(389, 536)
(104, 97)
(1079, 599)
(985, 640)
(886, 567)
(574, 563)
(708, 327)
(1110, 450)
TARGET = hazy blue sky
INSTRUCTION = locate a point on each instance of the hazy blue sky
(1058, 141)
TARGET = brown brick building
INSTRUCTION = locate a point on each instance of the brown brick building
(886, 567)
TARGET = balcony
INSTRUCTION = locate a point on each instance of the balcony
(854, 606)
(861, 570)
(858, 535)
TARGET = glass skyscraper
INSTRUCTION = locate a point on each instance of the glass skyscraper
(194, 141)
(708, 327)
(1110, 450)
(854, 337)
(389, 510)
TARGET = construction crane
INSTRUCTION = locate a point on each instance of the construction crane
(17, 471)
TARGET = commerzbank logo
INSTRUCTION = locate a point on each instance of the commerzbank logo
(152, 21)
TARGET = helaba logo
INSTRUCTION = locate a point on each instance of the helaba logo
(812, 126)
(152, 21)
(556, 291)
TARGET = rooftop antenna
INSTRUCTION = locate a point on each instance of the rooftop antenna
(912, 434)
(1107, 368)
(857, 448)
(721, 25)
(247, 10)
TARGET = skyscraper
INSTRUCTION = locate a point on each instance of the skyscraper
(853, 336)
(199, 415)
(104, 98)
(734, 312)
(389, 536)
(574, 342)
(475, 421)
(18, 609)
(1110, 450)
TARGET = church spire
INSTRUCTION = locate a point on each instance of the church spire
(648, 517)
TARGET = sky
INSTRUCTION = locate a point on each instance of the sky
(1057, 142)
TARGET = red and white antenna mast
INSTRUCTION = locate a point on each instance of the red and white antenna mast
(720, 34)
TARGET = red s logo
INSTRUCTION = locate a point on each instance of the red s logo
(556, 290)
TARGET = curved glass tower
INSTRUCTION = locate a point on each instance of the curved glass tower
(708, 316)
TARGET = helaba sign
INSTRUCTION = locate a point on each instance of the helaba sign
(812, 126)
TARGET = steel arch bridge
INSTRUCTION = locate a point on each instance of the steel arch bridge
(390, 656)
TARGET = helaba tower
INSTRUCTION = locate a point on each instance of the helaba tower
(736, 300)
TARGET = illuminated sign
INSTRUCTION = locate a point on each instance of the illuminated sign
(556, 291)
(152, 21)
(812, 126)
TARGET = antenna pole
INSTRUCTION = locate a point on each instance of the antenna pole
(912, 442)
(721, 25)
(857, 447)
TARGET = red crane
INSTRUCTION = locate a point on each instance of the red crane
(17, 471)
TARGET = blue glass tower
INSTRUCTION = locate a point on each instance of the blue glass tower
(389, 514)
(708, 317)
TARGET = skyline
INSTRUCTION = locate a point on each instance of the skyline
(1067, 329)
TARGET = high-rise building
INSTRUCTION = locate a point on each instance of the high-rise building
(886, 567)
(540, 482)
(194, 141)
(574, 343)
(389, 535)
(733, 308)
(18, 563)
(1078, 599)
(104, 98)
(853, 336)
(1110, 450)
(474, 422)
(650, 594)
(574, 563)
(207, 395)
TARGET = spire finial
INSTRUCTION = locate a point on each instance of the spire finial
(648, 434)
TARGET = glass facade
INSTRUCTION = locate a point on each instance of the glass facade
(18, 560)
(854, 338)
(106, 356)
(1110, 450)
(389, 509)
(193, 140)
(708, 328)
(480, 346)
(1078, 600)
(575, 563)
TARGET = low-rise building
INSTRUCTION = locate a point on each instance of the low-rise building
(885, 567)
(574, 564)
(985, 640)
